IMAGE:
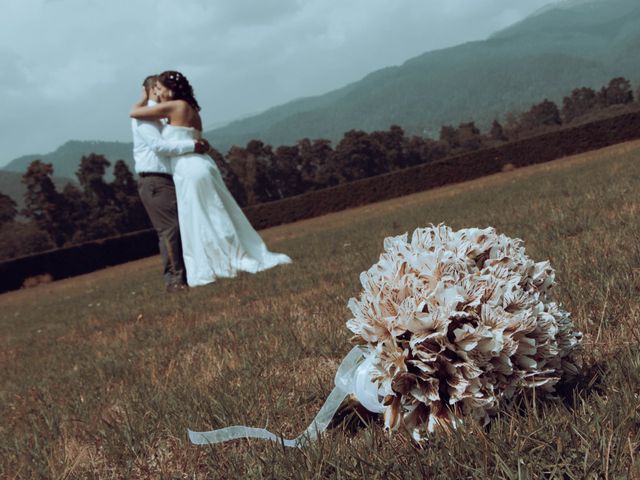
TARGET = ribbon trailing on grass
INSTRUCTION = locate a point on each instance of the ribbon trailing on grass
(352, 378)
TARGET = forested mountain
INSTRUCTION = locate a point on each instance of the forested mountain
(65, 159)
(564, 46)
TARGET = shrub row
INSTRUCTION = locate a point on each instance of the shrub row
(78, 259)
(543, 148)
(66, 262)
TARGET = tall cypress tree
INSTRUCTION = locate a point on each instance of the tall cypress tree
(44, 204)
(132, 215)
(8, 210)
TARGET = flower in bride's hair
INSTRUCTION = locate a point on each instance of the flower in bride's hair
(456, 323)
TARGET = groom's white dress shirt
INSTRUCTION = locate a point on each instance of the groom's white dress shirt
(151, 152)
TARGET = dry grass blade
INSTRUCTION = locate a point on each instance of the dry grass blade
(102, 374)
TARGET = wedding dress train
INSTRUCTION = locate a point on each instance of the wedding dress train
(217, 239)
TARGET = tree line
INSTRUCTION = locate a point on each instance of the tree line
(257, 173)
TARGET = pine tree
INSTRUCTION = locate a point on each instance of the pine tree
(359, 156)
(131, 213)
(470, 137)
(580, 102)
(8, 210)
(103, 215)
(497, 132)
(317, 164)
(44, 205)
(617, 92)
(286, 172)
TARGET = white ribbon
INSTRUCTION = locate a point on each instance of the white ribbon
(353, 377)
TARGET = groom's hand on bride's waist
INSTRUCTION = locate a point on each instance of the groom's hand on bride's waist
(202, 146)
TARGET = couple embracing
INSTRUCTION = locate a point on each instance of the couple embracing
(203, 233)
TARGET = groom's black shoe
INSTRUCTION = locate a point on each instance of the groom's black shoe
(177, 288)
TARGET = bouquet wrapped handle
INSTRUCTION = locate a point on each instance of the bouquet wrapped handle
(352, 377)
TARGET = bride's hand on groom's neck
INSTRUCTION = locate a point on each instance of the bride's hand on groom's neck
(201, 146)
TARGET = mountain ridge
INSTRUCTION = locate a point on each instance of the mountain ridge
(546, 55)
(575, 47)
(66, 158)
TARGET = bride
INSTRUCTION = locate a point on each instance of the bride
(217, 239)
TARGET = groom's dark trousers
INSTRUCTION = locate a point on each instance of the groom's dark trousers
(158, 195)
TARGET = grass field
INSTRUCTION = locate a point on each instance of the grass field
(102, 374)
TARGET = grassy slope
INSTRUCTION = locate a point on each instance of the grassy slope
(102, 374)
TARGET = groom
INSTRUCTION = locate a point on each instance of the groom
(151, 156)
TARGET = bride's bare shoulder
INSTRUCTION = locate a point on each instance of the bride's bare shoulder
(178, 105)
(183, 114)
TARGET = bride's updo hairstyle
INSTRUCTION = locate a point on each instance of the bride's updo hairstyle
(179, 86)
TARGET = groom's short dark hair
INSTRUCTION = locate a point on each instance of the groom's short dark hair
(150, 81)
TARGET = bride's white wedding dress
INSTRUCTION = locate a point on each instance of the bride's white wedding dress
(217, 239)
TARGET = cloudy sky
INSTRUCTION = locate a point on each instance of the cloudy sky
(70, 69)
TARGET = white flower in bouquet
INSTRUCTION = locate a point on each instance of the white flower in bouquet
(457, 321)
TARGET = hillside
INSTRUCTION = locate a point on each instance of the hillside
(565, 46)
(119, 359)
(66, 158)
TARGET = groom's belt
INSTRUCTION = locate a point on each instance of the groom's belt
(155, 174)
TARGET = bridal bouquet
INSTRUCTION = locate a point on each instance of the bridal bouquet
(449, 324)
(453, 322)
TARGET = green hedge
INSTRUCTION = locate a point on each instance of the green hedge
(66, 262)
(543, 148)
